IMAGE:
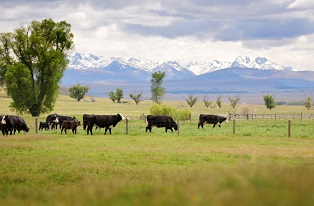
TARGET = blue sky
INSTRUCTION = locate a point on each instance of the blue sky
(201, 30)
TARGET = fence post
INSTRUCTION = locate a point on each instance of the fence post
(301, 115)
(178, 127)
(126, 126)
(275, 117)
(190, 117)
(233, 126)
(36, 125)
(289, 128)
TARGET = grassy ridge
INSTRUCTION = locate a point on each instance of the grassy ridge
(258, 165)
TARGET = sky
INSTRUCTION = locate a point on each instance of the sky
(192, 30)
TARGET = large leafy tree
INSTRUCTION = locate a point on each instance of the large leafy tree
(32, 62)
(158, 91)
(78, 92)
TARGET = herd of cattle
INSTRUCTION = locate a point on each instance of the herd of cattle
(10, 124)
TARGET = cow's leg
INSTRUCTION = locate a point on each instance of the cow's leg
(214, 125)
(149, 128)
(200, 124)
(108, 128)
(61, 130)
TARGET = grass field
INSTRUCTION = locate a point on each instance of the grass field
(259, 165)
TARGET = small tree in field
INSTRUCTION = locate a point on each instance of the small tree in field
(207, 101)
(116, 96)
(191, 100)
(234, 101)
(219, 102)
(308, 103)
(78, 92)
(136, 97)
(158, 91)
(269, 101)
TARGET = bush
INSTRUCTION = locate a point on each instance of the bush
(158, 109)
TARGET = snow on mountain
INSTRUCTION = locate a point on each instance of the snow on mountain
(259, 63)
(205, 67)
(92, 62)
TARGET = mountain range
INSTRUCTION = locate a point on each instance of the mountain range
(243, 75)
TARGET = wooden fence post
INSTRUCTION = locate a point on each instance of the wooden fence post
(178, 127)
(126, 126)
(36, 125)
(233, 126)
(289, 128)
(190, 117)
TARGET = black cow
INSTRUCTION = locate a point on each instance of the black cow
(43, 126)
(72, 124)
(86, 117)
(103, 121)
(52, 120)
(13, 123)
(211, 119)
(61, 118)
(161, 121)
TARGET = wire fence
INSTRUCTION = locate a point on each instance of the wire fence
(270, 116)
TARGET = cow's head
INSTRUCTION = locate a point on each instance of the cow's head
(223, 119)
(122, 117)
(3, 120)
(27, 129)
(175, 125)
(56, 120)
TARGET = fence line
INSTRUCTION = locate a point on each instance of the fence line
(270, 116)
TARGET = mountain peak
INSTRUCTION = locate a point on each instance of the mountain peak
(92, 62)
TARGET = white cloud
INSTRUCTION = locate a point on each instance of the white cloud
(281, 30)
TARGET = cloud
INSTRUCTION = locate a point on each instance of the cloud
(189, 29)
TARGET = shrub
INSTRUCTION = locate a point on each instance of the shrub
(158, 109)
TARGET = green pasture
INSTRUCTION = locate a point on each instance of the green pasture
(258, 165)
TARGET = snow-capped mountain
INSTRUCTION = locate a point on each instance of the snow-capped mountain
(176, 69)
(243, 75)
(258, 63)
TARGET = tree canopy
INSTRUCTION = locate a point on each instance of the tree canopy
(32, 61)
(78, 92)
(158, 91)
(269, 101)
(116, 96)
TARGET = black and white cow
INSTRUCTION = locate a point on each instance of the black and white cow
(161, 121)
(211, 119)
(52, 120)
(12, 123)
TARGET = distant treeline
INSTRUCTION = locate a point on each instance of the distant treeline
(290, 103)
